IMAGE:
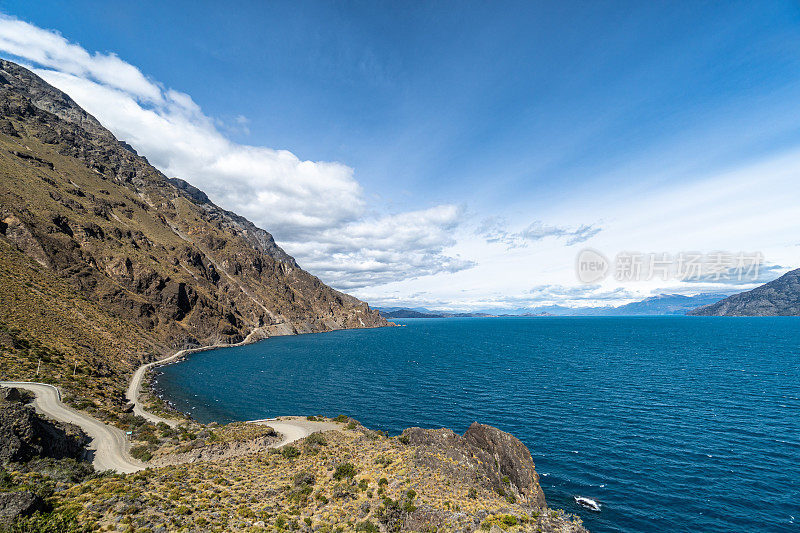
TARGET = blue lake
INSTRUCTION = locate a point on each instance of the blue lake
(672, 423)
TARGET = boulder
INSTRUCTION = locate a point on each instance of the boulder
(25, 435)
(484, 455)
(10, 394)
(14, 505)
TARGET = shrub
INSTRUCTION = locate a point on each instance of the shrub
(141, 453)
(367, 526)
(290, 452)
(304, 478)
(344, 470)
(341, 418)
(300, 495)
(383, 481)
(246, 512)
(55, 522)
(509, 520)
(317, 439)
(5, 478)
(404, 439)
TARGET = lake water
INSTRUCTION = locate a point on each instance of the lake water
(672, 423)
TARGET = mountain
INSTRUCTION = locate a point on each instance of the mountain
(663, 304)
(421, 312)
(106, 263)
(780, 297)
(408, 313)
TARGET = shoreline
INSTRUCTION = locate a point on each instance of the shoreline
(137, 380)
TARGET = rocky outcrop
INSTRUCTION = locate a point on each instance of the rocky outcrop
(484, 454)
(14, 505)
(780, 297)
(24, 435)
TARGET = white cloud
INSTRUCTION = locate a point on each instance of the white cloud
(316, 210)
(494, 230)
(49, 49)
(387, 249)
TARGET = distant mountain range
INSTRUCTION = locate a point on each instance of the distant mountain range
(401, 312)
(780, 297)
(664, 304)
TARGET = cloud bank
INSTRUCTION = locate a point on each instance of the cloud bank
(494, 230)
(316, 210)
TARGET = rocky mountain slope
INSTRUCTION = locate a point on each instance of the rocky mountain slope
(106, 263)
(780, 297)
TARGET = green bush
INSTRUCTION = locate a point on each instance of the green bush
(509, 520)
(60, 522)
(367, 526)
(341, 418)
(344, 470)
(141, 453)
(317, 439)
(290, 452)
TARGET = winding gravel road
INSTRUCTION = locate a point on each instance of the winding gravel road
(109, 447)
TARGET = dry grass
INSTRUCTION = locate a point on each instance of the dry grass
(340, 482)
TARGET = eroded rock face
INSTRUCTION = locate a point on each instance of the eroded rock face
(490, 457)
(25, 435)
(511, 459)
(14, 505)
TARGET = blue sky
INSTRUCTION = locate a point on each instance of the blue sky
(448, 118)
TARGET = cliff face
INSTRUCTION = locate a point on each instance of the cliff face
(24, 435)
(496, 458)
(94, 241)
(780, 297)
